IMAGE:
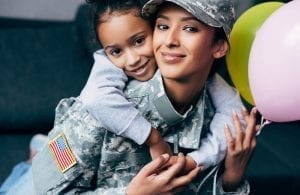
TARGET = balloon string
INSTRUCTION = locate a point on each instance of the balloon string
(263, 122)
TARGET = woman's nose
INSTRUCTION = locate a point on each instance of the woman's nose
(172, 39)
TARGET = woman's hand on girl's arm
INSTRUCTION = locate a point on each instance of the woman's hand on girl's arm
(151, 180)
(239, 150)
(190, 164)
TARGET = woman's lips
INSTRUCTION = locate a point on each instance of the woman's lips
(172, 58)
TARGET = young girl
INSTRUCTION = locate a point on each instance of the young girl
(100, 159)
(132, 52)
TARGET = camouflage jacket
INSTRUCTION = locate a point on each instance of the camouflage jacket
(104, 163)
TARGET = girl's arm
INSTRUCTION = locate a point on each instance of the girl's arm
(103, 97)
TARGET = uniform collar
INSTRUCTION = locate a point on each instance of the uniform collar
(165, 108)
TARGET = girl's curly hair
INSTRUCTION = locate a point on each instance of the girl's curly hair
(100, 8)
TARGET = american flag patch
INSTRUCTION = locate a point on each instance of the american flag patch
(62, 153)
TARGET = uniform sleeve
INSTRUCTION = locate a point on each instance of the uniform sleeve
(72, 155)
(84, 138)
(225, 99)
(104, 98)
(243, 189)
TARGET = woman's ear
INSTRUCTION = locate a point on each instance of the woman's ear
(220, 49)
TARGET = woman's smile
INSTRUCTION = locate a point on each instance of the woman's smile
(171, 57)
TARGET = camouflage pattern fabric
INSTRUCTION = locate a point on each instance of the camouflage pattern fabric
(151, 100)
(121, 158)
(106, 163)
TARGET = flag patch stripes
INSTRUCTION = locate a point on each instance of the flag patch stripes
(62, 153)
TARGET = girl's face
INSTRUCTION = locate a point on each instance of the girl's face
(183, 46)
(127, 41)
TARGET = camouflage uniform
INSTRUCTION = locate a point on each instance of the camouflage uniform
(105, 162)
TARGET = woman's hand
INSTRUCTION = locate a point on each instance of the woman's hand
(239, 150)
(151, 180)
(190, 164)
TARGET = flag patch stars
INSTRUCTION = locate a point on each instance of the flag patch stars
(62, 153)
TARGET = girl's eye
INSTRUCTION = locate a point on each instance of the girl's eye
(139, 41)
(190, 29)
(115, 52)
(162, 27)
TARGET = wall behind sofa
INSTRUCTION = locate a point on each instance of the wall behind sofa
(64, 9)
(40, 9)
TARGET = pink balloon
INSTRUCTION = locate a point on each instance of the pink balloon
(274, 65)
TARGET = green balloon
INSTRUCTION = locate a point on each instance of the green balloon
(241, 39)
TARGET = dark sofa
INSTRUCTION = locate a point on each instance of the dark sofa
(42, 62)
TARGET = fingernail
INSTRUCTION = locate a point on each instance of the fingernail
(234, 113)
(244, 108)
(225, 126)
(199, 169)
(166, 156)
(254, 109)
(180, 154)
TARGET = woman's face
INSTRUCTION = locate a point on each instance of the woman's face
(183, 46)
(127, 41)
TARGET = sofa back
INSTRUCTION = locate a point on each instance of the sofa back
(41, 62)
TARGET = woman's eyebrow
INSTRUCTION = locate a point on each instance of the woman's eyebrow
(189, 18)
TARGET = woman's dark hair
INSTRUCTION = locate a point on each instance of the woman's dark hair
(218, 63)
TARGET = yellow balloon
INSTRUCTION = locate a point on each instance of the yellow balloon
(241, 39)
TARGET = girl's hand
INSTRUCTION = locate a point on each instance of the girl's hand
(157, 145)
(239, 150)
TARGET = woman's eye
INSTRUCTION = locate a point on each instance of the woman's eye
(191, 29)
(162, 27)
